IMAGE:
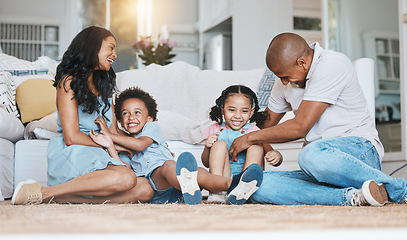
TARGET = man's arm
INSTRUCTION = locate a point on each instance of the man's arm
(272, 118)
(308, 114)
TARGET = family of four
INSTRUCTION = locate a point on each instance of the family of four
(112, 150)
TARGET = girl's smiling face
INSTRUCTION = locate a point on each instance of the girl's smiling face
(237, 111)
(107, 53)
(134, 115)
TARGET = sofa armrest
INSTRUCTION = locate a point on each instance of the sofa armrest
(11, 127)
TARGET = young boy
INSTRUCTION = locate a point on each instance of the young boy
(136, 111)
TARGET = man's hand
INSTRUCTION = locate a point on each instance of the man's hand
(239, 144)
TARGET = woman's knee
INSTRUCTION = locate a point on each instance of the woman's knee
(143, 192)
(123, 179)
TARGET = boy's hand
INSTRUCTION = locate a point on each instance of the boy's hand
(102, 125)
(102, 139)
(211, 140)
(274, 157)
(123, 149)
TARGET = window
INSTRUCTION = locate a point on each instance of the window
(120, 17)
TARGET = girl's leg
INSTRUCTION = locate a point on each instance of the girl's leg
(142, 192)
(348, 162)
(254, 154)
(212, 182)
(219, 159)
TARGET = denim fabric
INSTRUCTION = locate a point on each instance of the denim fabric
(169, 195)
(329, 169)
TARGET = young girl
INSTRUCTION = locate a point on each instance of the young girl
(136, 110)
(234, 109)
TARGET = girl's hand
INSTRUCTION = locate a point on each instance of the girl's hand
(102, 125)
(211, 140)
(102, 139)
(274, 158)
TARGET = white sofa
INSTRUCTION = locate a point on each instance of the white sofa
(184, 95)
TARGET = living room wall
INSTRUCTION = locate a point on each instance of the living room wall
(43, 11)
(366, 15)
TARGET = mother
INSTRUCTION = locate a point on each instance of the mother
(79, 170)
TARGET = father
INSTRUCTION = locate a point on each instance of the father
(343, 151)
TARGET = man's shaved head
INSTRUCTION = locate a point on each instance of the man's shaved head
(285, 49)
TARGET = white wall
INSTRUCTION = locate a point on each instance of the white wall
(181, 17)
(60, 12)
(366, 15)
(255, 23)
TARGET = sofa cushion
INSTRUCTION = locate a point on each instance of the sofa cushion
(11, 127)
(22, 78)
(7, 93)
(44, 128)
(11, 63)
(35, 99)
(266, 85)
(185, 89)
(6, 168)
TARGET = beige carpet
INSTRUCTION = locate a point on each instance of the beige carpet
(150, 218)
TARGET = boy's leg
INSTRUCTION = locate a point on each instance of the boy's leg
(187, 175)
(165, 177)
(348, 162)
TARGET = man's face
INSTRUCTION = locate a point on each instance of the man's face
(295, 75)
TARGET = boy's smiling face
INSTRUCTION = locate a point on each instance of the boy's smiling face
(134, 115)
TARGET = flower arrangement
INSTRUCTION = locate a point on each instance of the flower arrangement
(151, 52)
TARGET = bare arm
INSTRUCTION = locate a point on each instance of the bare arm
(68, 114)
(105, 141)
(132, 143)
(207, 149)
(307, 115)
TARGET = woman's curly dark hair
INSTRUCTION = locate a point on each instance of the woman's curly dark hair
(216, 111)
(79, 62)
(135, 92)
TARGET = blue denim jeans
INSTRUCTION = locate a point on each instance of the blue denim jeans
(329, 169)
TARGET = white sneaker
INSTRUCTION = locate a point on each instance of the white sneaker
(371, 194)
(217, 197)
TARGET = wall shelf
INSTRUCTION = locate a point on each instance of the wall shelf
(29, 41)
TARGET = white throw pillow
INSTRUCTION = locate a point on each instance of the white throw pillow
(11, 127)
(20, 79)
(44, 134)
(8, 93)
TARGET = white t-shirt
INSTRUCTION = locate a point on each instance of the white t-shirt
(331, 79)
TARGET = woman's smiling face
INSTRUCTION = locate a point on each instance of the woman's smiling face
(107, 53)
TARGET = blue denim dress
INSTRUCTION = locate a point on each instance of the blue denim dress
(68, 162)
(228, 136)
